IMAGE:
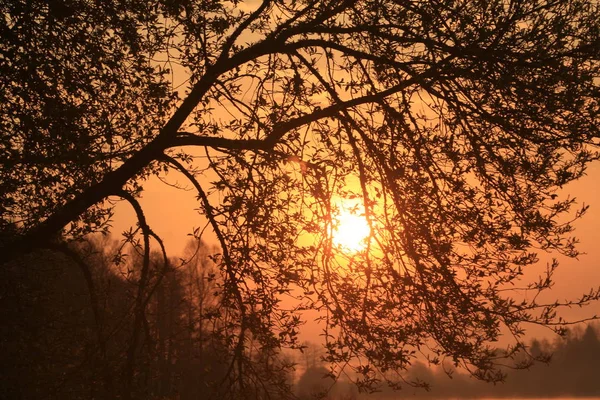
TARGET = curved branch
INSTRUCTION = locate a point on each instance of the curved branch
(361, 55)
(94, 303)
(208, 207)
(140, 304)
(190, 139)
(166, 266)
(231, 40)
(227, 257)
(114, 181)
(279, 130)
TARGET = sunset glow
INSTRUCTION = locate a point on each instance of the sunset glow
(259, 199)
(351, 231)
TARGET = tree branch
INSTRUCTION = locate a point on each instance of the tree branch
(238, 31)
(94, 303)
(140, 304)
(228, 260)
(190, 139)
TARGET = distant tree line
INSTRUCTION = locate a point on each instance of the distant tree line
(571, 371)
(69, 320)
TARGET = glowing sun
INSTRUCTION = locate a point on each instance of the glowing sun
(351, 231)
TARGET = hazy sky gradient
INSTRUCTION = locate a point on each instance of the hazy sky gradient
(173, 214)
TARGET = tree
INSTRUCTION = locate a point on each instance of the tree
(70, 330)
(47, 331)
(452, 123)
(315, 383)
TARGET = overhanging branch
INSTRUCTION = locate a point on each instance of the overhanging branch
(224, 248)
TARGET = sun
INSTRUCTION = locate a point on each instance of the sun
(351, 231)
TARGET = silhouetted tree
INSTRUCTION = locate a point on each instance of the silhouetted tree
(315, 383)
(69, 331)
(571, 373)
(58, 336)
(453, 123)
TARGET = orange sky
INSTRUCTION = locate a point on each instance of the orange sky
(172, 214)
